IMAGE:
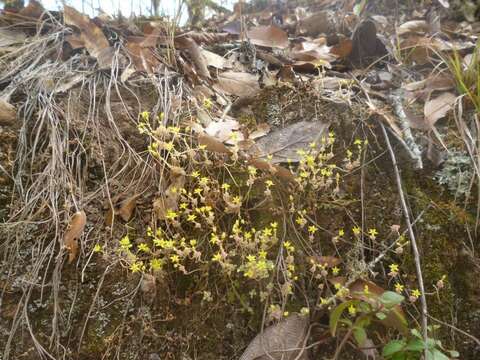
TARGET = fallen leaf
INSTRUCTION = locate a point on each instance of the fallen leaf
(274, 169)
(8, 113)
(395, 318)
(275, 341)
(91, 35)
(222, 130)
(187, 43)
(237, 83)
(212, 144)
(73, 233)
(10, 37)
(322, 22)
(261, 130)
(342, 49)
(366, 46)
(268, 36)
(127, 208)
(215, 60)
(169, 200)
(413, 26)
(33, 10)
(438, 107)
(283, 144)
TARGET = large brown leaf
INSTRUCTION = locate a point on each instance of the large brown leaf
(188, 44)
(7, 113)
(237, 83)
(91, 36)
(438, 107)
(73, 233)
(268, 36)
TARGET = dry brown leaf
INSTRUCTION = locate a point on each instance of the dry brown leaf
(185, 42)
(274, 169)
(322, 22)
(342, 49)
(91, 35)
(222, 129)
(268, 36)
(143, 59)
(395, 318)
(276, 341)
(33, 10)
(215, 60)
(10, 37)
(438, 107)
(237, 83)
(261, 130)
(127, 208)
(169, 201)
(73, 233)
(413, 26)
(366, 46)
(212, 144)
(8, 113)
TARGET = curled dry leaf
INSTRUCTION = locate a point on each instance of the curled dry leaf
(237, 83)
(438, 107)
(185, 42)
(212, 144)
(322, 22)
(413, 26)
(274, 169)
(215, 60)
(268, 36)
(73, 233)
(91, 36)
(169, 200)
(8, 113)
(127, 208)
(283, 144)
(395, 318)
(275, 341)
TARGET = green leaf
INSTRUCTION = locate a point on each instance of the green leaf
(416, 333)
(380, 315)
(454, 353)
(390, 298)
(394, 346)
(435, 354)
(415, 345)
(337, 313)
(360, 335)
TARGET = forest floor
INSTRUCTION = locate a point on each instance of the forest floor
(288, 181)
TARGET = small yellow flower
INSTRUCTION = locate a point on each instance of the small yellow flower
(191, 217)
(268, 183)
(352, 310)
(372, 233)
(393, 269)
(207, 103)
(97, 248)
(335, 270)
(125, 243)
(399, 287)
(156, 264)
(175, 259)
(136, 266)
(143, 247)
(225, 186)
(356, 230)
(416, 293)
(341, 232)
(312, 229)
(217, 257)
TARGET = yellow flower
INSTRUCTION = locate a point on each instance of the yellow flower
(143, 247)
(393, 268)
(191, 217)
(207, 103)
(217, 257)
(312, 229)
(356, 230)
(341, 232)
(156, 264)
(136, 266)
(335, 270)
(125, 243)
(175, 259)
(416, 293)
(171, 215)
(399, 287)
(195, 174)
(268, 183)
(97, 248)
(352, 310)
(372, 233)
(225, 186)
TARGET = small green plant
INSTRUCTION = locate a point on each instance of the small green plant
(368, 308)
(466, 72)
